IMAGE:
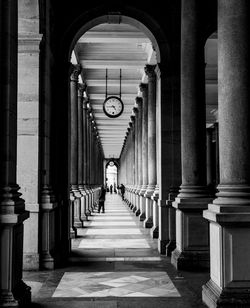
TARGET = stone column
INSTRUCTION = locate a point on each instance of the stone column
(80, 215)
(192, 246)
(84, 158)
(139, 156)
(132, 159)
(48, 203)
(229, 214)
(144, 90)
(14, 291)
(150, 71)
(175, 162)
(131, 162)
(74, 191)
(209, 137)
(135, 110)
(133, 156)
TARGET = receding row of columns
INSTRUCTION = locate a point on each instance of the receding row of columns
(86, 164)
(138, 164)
(209, 231)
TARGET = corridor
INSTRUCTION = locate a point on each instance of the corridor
(115, 263)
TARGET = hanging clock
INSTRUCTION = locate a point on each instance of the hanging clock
(113, 105)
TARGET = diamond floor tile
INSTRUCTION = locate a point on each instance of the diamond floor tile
(119, 284)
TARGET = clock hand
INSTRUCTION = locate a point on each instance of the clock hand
(113, 107)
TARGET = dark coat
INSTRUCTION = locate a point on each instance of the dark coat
(102, 194)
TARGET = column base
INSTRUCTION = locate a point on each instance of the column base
(214, 297)
(148, 223)
(170, 247)
(191, 261)
(138, 212)
(47, 261)
(162, 246)
(154, 232)
(142, 216)
(20, 297)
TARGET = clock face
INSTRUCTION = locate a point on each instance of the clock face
(113, 106)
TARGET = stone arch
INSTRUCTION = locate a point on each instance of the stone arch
(132, 16)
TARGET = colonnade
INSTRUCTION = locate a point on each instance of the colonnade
(195, 227)
(208, 231)
(138, 157)
(86, 164)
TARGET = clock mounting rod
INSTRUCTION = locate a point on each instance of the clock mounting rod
(106, 93)
(120, 83)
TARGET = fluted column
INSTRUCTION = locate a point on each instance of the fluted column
(229, 214)
(81, 89)
(76, 69)
(88, 187)
(139, 156)
(80, 215)
(74, 191)
(192, 249)
(152, 180)
(169, 236)
(84, 211)
(14, 291)
(135, 110)
(49, 230)
(144, 90)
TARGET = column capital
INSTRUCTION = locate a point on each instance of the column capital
(135, 110)
(81, 88)
(143, 87)
(75, 70)
(138, 101)
(150, 71)
(84, 103)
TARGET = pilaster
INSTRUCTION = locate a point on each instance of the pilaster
(13, 291)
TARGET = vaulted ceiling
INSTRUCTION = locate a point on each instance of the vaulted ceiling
(115, 48)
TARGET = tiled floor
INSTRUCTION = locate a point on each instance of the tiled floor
(121, 284)
(115, 263)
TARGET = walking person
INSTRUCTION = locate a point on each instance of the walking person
(122, 189)
(102, 197)
(111, 188)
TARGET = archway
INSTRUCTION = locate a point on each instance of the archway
(60, 100)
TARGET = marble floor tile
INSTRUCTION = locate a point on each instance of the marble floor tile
(118, 284)
(35, 286)
(112, 223)
(118, 218)
(131, 231)
(113, 243)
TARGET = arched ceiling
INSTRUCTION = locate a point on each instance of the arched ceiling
(113, 47)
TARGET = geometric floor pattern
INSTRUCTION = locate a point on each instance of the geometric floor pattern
(133, 231)
(114, 243)
(121, 268)
(116, 284)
